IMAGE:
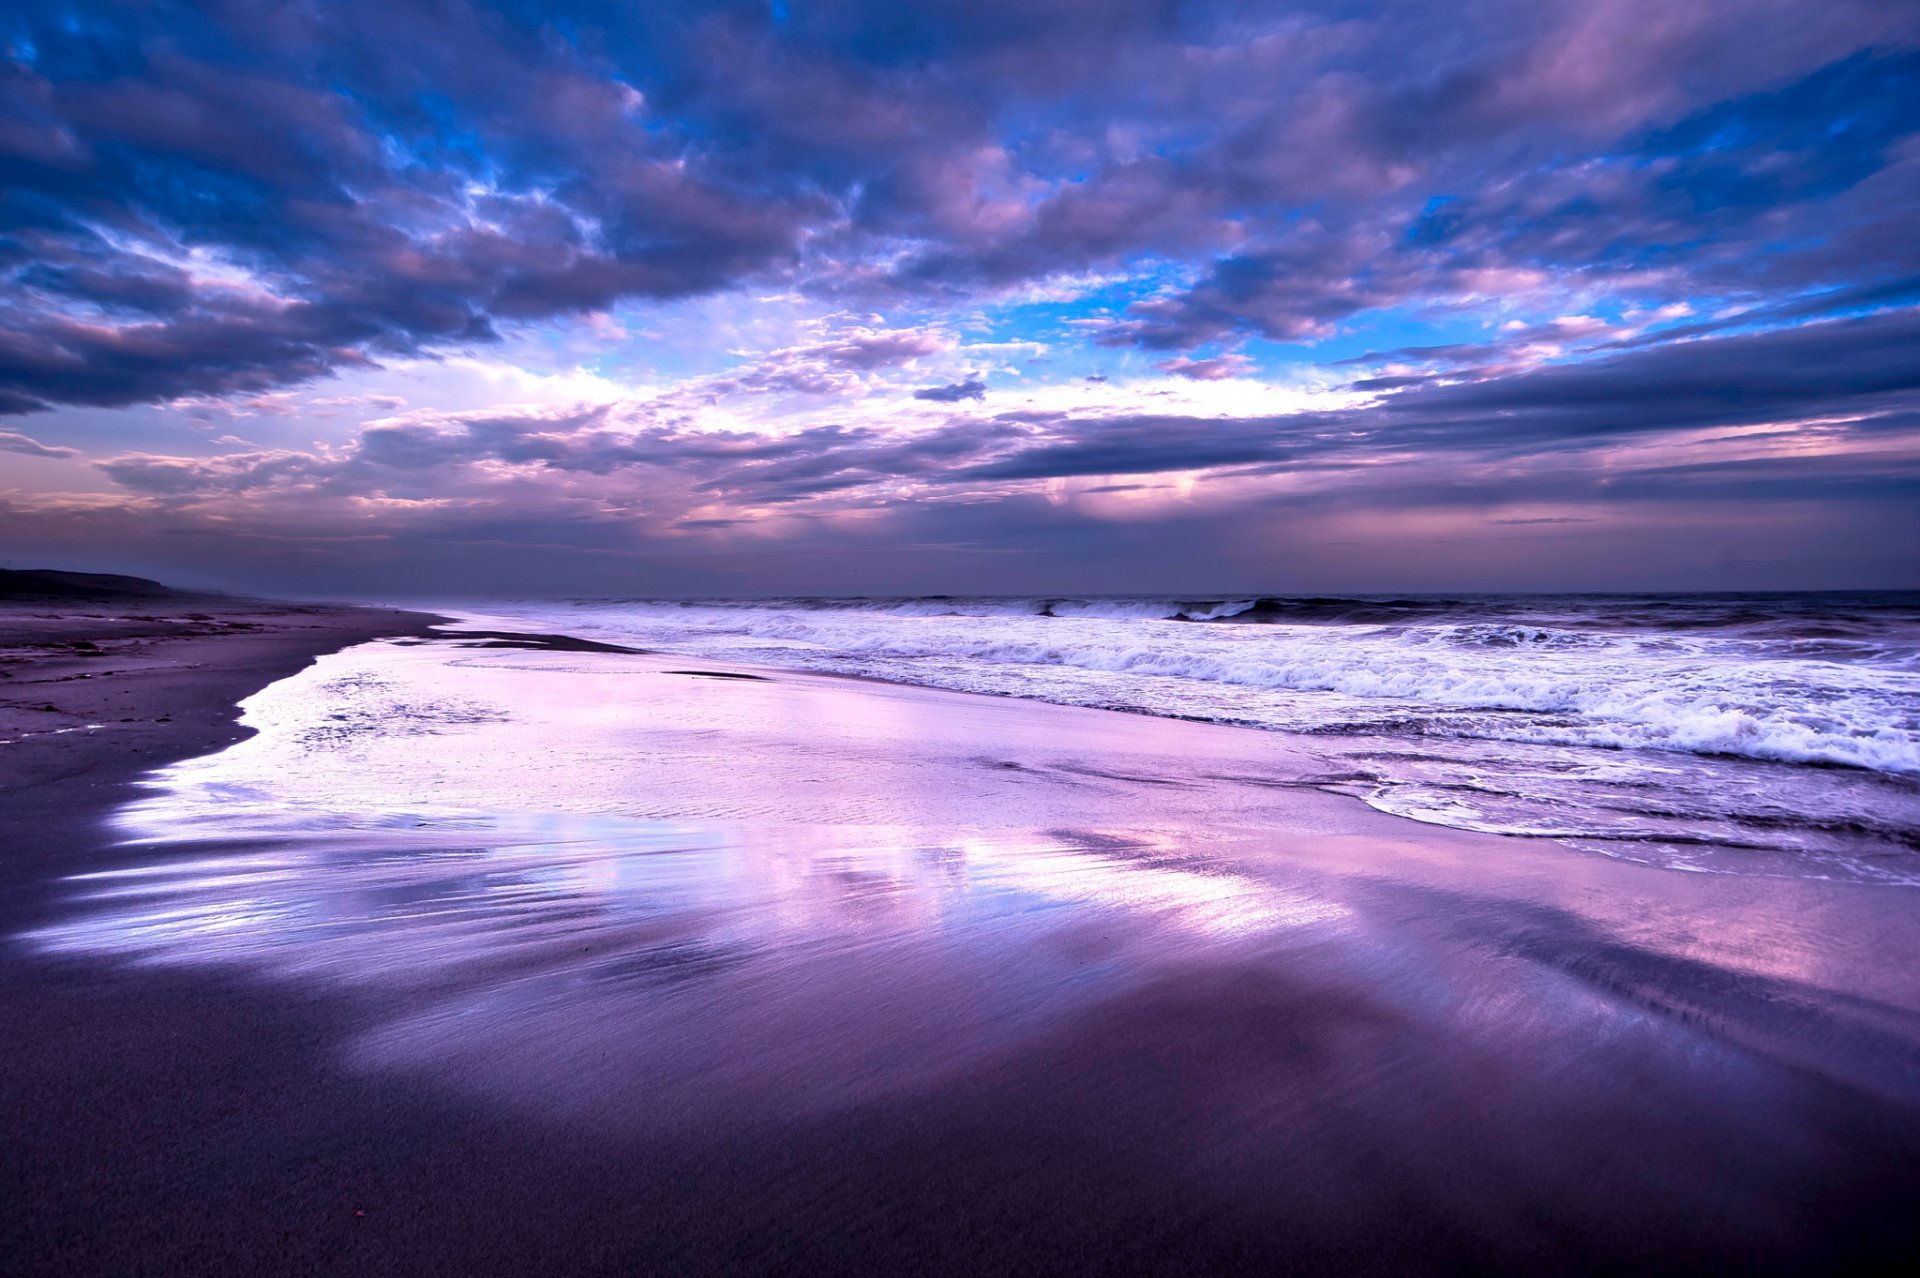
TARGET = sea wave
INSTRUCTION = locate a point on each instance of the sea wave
(1665, 725)
(1703, 694)
(1827, 616)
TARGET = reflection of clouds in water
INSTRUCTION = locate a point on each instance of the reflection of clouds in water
(697, 887)
(706, 967)
(1213, 901)
(799, 810)
(402, 909)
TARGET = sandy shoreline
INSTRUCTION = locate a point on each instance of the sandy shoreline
(106, 1074)
(1397, 1048)
(94, 692)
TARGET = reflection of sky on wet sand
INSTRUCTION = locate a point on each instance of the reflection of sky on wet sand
(591, 858)
(582, 882)
(410, 906)
(735, 962)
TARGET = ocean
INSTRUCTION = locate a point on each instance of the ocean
(1762, 734)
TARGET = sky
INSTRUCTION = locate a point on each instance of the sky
(996, 296)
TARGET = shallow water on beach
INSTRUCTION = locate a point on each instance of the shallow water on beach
(1735, 734)
(533, 850)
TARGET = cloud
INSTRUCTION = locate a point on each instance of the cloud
(1616, 255)
(1853, 380)
(1814, 169)
(971, 388)
(12, 441)
(866, 349)
(1860, 371)
(221, 200)
(1218, 368)
(846, 361)
(260, 203)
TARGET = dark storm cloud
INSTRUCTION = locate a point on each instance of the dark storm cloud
(219, 199)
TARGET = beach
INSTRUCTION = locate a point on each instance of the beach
(473, 955)
(970, 639)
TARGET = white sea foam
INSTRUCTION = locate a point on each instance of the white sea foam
(1697, 694)
(1565, 685)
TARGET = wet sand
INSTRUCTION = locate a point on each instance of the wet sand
(809, 973)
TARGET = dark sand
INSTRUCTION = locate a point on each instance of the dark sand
(1756, 1106)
